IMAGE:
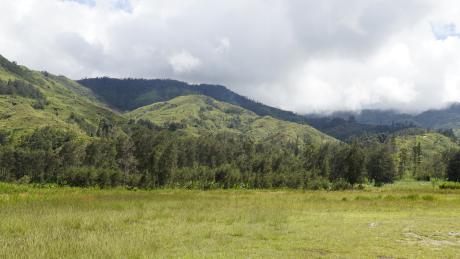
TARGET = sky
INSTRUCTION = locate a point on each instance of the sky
(301, 55)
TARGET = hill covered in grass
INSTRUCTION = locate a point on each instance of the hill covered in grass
(31, 99)
(197, 114)
(130, 94)
(422, 154)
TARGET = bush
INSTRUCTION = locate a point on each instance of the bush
(24, 180)
(341, 184)
(449, 185)
(318, 184)
(90, 176)
(40, 104)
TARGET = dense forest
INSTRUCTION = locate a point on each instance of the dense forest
(144, 156)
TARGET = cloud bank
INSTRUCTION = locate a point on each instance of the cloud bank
(302, 55)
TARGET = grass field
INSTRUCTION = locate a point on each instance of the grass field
(404, 220)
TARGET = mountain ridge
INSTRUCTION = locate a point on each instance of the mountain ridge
(129, 94)
(31, 99)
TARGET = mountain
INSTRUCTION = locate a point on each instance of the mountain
(129, 94)
(447, 118)
(31, 99)
(376, 117)
(197, 114)
(344, 129)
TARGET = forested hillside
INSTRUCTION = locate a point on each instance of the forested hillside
(422, 155)
(447, 118)
(130, 94)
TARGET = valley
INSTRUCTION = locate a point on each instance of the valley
(229, 129)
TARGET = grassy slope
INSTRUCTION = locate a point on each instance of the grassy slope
(433, 145)
(431, 142)
(410, 220)
(200, 113)
(64, 97)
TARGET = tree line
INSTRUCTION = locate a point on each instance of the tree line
(144, 156)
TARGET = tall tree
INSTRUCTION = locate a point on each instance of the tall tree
(380, 166)
(167, 163)
(402, 166)
(125, 156)
(354, 164)
(416, 158)
(453, 168)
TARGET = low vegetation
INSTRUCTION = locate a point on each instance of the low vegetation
(407, 219)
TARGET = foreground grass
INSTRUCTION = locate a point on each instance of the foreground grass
(402, 220)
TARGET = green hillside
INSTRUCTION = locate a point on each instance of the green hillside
(433, 149)
(129, 94)
(197, 114)
(30, 99)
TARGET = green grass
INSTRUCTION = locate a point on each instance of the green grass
(405, 220)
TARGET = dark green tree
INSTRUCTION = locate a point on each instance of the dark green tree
(403, 160)
(354, 164)
(167, 163)
(453, 167)
(416, 158)
(125, 156)
(380, 166)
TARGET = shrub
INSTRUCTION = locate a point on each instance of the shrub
(449, 185)
(341, 184)
(318, 184)
(24, 180)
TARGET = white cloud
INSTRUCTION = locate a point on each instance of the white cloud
(452, 88)
(183, 62)
(223, 46)
(302, 55)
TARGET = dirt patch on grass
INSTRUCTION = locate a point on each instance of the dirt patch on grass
(88, 198)
(415, 238)
(317, 251)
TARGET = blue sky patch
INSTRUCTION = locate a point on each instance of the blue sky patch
(124, 5)
(444, 31)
